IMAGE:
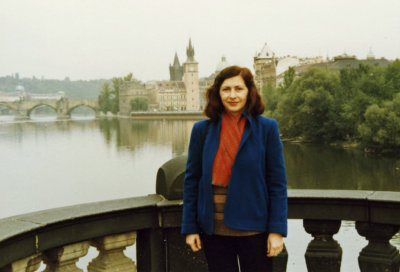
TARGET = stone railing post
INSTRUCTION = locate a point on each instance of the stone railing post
(379, 255)
(111, 256)
(28, 264)
(65, 258)
(323, 252)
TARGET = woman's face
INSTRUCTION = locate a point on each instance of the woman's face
(233, 93)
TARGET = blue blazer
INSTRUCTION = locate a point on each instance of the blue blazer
(257, 192)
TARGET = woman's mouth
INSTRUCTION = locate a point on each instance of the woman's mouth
(233, 103)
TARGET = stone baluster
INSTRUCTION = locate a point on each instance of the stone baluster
(29, 264)
(323, 252)
(111, 256)
(379, 255)
(65, 258)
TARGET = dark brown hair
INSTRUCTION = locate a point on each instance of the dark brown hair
(214, 106)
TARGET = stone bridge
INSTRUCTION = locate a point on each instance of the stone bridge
(22, 106)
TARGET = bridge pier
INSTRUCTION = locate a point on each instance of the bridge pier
(21, 114)
(63, 116)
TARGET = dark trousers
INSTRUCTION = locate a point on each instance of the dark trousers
(227, 253)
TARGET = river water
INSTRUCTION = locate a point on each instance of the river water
(47, 163)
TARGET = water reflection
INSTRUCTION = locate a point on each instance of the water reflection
(133, 134)
(311, 166)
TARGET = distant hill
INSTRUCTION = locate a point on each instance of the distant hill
(74, 90)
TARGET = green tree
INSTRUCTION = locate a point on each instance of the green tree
(139, 104)
(117, 82)
(359, 104)
(105, 98)
(288, 78)
(308, 108)
(392, 76)
(270, 96)
(109, 98)
(381, 129)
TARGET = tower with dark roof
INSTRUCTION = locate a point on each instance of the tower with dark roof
(265, 67)
(175, 70)
(191, 80)
(190, 52)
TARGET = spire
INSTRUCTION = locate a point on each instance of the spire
(265, 52)
(370, 55)
(176, 70)
(176, 60)
(190, 51)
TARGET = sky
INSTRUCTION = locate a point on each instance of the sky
(92, 39)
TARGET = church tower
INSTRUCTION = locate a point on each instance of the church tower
(265, 67)
(191, 80)
(175, 70)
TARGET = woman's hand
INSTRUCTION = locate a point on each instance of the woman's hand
(193, 240)
(275, 244)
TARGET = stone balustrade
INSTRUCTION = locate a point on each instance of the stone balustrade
(60, 237)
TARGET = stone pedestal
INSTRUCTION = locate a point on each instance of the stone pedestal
(379, 255)
(323, 253)
(64, 258)
(111, 256)
(29, 264)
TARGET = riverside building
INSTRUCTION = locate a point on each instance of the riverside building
(180, 93)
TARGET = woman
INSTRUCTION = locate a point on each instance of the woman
(235, 192)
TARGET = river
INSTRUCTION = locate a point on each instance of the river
(47, 163)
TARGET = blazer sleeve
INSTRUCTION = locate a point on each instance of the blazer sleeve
(192, 177)
(276, 181)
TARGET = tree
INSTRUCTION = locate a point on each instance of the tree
(288, 78)
(358, 104)
(308, 108)
(139, 104)
(109, 98)
(381, 129)
(270, 96)
(105, 98)
(392, 76)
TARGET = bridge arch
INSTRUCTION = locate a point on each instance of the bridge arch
(8, 106)
(29, 111)
(81, 105)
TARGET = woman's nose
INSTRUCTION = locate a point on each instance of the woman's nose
(232, 93)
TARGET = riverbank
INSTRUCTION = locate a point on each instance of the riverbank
(168, 115)
(348, 145)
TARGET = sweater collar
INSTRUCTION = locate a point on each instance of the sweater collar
(244, 113)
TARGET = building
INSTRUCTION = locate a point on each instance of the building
(284, 63)
(191, 80)
(183, 92)
(135, 89)
(176, 70)
(344, 61)
(265, 67)
(171, 95)
(206, 82)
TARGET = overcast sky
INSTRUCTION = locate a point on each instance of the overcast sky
(91, 39)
